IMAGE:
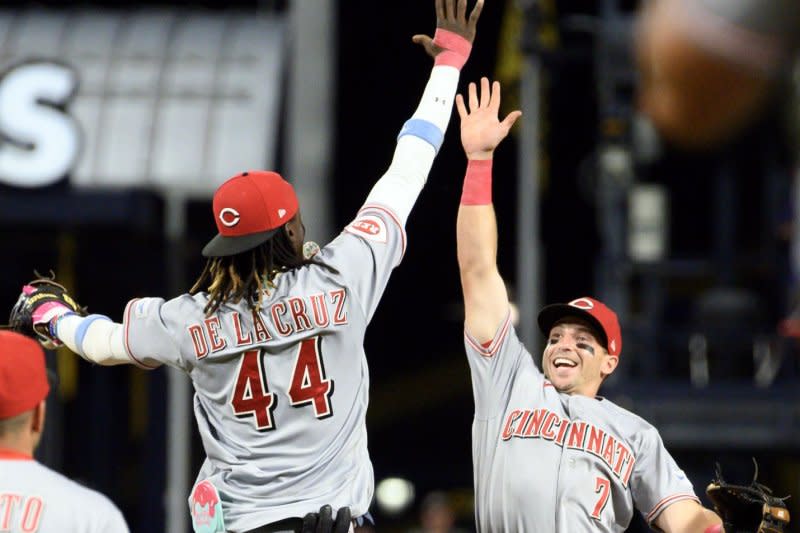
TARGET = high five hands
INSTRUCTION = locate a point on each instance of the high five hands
(451, 15)
(481, 129)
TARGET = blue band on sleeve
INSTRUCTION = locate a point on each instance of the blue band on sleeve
(80, 333)
(427, 131)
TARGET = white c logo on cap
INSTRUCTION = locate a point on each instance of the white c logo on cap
(582, 303)
(232, 216)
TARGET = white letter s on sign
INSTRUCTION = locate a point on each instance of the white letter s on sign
(42, 141)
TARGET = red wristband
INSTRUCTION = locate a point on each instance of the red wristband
(456, 49)
(477, 183)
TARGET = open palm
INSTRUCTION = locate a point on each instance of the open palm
(481, 129)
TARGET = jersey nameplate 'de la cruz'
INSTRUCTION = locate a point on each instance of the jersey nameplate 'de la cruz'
(280, 394)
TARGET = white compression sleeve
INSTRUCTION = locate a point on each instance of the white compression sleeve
(95, 338)
(436, 104)
(417, 145)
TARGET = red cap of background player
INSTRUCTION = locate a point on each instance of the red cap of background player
(23, 374)
(249, 209)
(593, 311)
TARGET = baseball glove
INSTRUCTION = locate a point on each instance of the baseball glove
(747, 508)
(40, 301)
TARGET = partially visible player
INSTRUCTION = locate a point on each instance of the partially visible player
(33, 498)
(708, 67)
(549, 454)
(273, 340)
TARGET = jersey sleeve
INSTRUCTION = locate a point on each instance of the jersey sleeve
(115, 522)
(101, 514)
(657, 480)
(148, 340)
(494, 366)
(366, 253)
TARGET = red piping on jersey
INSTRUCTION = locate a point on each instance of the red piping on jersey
(127, 344)
(666, 502)
(13, 455)
(393, 217)
(497, 341)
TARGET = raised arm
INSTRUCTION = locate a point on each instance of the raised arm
(422, 135)
(485, 295)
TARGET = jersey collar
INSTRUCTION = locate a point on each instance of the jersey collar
(13, 455)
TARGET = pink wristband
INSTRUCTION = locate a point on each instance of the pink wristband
(477, 183)
(455, 51)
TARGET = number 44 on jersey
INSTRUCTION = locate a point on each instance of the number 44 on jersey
(309, 387)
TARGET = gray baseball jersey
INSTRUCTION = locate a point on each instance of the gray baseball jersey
(281, 394)
(553, 462)
(35, 499)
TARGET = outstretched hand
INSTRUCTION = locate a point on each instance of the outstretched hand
(481, 129)
(451, 15)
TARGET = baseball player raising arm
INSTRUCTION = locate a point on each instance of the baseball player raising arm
(33, 498)
(272, 338)
(549, 454)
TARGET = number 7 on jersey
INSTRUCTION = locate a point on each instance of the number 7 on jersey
(309, 386)
(602, 487)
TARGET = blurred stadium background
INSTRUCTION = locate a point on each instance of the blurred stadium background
(117, 120)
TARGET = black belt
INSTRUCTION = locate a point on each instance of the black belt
(296, 524)
(287, 524)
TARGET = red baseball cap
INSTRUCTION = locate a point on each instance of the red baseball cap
(248, 209)
(23, 374)
(593, 311)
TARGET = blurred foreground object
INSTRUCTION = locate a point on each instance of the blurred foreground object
(708, 67)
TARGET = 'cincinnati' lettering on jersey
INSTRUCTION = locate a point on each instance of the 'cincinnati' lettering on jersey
(545, 424)
(282, 318)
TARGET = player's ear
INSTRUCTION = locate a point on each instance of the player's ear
(292, 227)
(609, 364)
(37, 420)
(292, 230)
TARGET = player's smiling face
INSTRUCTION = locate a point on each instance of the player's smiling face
(574, 360)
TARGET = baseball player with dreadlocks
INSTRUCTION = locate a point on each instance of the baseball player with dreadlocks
(273, 339)
(550, 454)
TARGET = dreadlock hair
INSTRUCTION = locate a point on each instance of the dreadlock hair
(246, 274)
